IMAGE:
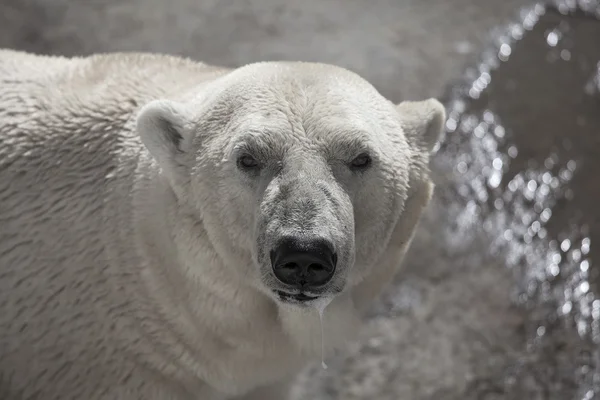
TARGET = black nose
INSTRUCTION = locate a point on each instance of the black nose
(304, 262)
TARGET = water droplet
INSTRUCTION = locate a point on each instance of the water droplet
(545, 215)
(585, 246)
(546, 177)
(320, 307)
(556, 258)
(596, 309)
(494, 180)
(552, 38)
(480, 130)
(488, 116)
(566, 175)
(532, 185)
(451, 124)
(589, 395)
(499, 131)
(498, 204)
(541, 330)
(497, 163)
(474, 93)
(505, 51)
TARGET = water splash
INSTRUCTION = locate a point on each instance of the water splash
(499, 122)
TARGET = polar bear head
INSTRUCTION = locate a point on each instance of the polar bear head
(298, 173)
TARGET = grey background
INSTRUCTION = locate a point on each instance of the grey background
(407, 48)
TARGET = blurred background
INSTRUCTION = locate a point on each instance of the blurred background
(499, 295)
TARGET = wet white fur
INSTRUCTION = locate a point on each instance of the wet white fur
(130, 245)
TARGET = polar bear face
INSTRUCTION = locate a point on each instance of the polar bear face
(298, 172)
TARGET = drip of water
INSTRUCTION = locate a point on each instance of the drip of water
(320, 306)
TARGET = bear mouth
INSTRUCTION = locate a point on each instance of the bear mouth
(295, 297)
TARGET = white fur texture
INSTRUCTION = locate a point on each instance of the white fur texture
(133, 250)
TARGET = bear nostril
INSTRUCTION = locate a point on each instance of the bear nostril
(292, 266)
(315, 268)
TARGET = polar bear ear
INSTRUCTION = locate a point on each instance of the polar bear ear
(422, 122)
(164, 129)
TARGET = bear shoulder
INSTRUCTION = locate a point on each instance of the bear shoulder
(45, 83)
(52, 101)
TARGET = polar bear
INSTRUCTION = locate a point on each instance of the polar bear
(173, 230)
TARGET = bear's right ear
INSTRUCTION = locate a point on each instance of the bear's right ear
(423, 122)
(164, 129)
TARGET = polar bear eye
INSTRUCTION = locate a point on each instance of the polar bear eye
(363, 161)
(247, 162)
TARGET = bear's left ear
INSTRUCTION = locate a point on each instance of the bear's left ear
(422, 122)
(164, 128)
